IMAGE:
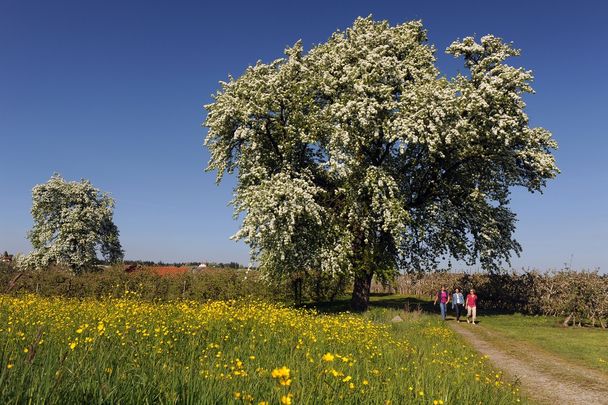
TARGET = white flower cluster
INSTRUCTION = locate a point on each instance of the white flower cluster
(72, 222)
(359, 155)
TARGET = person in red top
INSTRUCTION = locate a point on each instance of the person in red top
(443, 297)
(471, 302)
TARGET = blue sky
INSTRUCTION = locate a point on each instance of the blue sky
(113, 91)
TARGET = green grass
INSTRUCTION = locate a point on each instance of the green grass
(584, 346)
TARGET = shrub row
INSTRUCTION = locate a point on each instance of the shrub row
(578, 296)
(114, 282)
(209, 283)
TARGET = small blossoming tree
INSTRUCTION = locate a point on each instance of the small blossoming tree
(72, 224)
(359, 157)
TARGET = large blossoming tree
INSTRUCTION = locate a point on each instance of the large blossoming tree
(360, 157)
(73, 223)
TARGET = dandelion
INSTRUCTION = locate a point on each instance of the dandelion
(282, 375)
(328, 357)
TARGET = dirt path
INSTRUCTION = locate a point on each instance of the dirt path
(544, 377)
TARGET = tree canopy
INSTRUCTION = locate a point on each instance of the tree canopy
(73, 222)
(358, 156)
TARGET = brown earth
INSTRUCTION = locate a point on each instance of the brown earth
(544, 377)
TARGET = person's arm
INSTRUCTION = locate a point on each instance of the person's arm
(436, 296)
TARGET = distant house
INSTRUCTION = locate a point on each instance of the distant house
(131, 268)
(202, 266)
(6, 258)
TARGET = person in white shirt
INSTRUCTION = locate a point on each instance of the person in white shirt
(457, 303)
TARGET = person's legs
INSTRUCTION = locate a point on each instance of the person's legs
(457, 309)
(442, 306)
(474, 311)
(468, 314)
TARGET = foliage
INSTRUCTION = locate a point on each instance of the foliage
(221, 265)
(72, 223)
(313, 286)
(57, 350)
(358, 157)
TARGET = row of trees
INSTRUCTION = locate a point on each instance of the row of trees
(215, 265)
(576, 296)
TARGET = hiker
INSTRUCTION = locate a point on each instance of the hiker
(443, 297)
(457, 303)
(471, 306)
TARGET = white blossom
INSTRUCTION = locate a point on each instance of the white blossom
(358, 156)
(72, 224)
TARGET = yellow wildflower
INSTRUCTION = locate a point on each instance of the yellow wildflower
(282, 375)
(328, 357)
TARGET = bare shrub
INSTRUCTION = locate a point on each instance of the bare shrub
(579, 297)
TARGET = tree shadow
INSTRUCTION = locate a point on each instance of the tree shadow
(377, 300)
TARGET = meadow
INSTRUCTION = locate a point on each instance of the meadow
(586, 347)
(129, 350)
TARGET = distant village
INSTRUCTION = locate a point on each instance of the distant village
(132, 264)
(200, 265)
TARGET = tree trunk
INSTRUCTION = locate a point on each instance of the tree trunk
(361, 289)
(297, 290)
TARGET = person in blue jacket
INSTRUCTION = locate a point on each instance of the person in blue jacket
(457, 303)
